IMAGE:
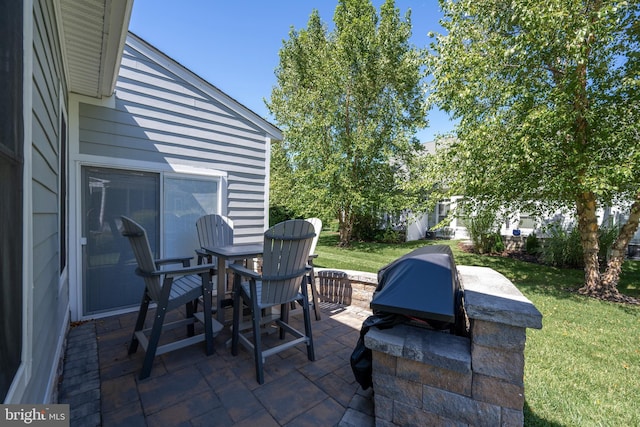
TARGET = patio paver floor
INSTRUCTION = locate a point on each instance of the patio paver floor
(189, 388)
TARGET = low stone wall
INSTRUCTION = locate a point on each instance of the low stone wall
(360, 286)
(514, 243)
(425, 377)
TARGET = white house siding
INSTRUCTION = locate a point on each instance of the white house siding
(50, 299)
(166, 115)
(417, 226)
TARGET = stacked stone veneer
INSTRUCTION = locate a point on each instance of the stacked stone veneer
(422, 377)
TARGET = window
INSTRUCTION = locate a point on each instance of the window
(526, 221)
(185, 200)
(443, 210)
(11, 184)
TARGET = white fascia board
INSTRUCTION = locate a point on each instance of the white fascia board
(115, 30)
(63, 46)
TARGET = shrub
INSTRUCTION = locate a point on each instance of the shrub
(277, 214)
(366, 228)
(532, 244)
(481, 229)
(563, 248)
(607, 235)
(389, 235)
(498, 243)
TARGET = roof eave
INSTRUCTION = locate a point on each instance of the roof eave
(116, 28)
(93, 35)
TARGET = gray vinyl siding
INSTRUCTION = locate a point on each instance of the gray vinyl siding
(49, 302)
(159, 117)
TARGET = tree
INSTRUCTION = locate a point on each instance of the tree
(349, 103)
(547, 96)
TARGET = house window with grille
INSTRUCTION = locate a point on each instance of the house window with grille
(526, 221)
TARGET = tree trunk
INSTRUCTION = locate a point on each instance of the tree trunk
(611, 276)
(345, 221)
(588, 227)
(604, 286)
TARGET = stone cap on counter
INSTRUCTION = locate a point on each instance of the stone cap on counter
(490, 296)
(356, 276)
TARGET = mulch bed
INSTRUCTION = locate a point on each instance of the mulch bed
(519, 255)
(523, 256)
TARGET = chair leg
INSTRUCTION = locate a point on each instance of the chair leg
(190, 309)
(206, 307)
(314, 293)
(284, 317)
(154, 338)
(142, 315)
(257, 342)
(311, 355)
(212, 272)
(237, 308)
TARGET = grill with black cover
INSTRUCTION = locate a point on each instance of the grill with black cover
(422, 285)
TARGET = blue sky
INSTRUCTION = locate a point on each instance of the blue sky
(234, 44)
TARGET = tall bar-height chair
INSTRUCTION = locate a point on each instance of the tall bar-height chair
(284, 268)
(214, 230)
(169, 288)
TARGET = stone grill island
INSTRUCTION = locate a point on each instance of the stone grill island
(427, 377)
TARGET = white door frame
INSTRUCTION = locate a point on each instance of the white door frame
(76, 162)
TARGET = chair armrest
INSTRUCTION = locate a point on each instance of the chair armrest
(185, 271)
(196, 269)
(243, 271)
(185, 261)
(202, 252)
(203, 256)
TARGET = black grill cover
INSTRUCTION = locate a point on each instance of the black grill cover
(422, 284)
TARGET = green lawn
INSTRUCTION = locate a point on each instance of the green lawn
(582, 368)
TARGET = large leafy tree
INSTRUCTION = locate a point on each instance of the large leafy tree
(349, 102)
(547, 96)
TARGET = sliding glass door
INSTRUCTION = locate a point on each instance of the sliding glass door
(109, 279)
(108, 267)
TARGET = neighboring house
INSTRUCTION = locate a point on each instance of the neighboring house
(520, 224)
(97, 124)
(420, 226)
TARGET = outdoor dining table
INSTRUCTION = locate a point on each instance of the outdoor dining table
(235, 252)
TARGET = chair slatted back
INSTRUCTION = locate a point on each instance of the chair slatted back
(285, 256)
(214, 230)
(139, 241)
(335, 287)
(317, 226)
